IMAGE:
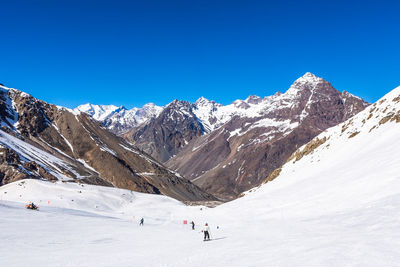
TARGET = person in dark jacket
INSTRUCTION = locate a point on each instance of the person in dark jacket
(192, 225)
(141, 221)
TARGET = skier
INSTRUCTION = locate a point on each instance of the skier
(31, 206)
(206, 231)
(141, 221)
(192, 225)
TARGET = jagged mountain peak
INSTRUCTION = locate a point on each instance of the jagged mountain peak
(177, 102)
(149, 105)
(253, 99)
(309, 83)
(120, 119)
(309, 77)
(202, 100)
(204, 103)
(241, 104)
(15, 91)
(94, 106)
(178, 106)
(98, 112)
(346, 94)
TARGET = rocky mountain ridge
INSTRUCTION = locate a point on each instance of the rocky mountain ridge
(262, 134)
(44, 141)
(120, 119)
(229, 149)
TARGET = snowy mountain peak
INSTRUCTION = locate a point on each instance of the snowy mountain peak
(308, 77)
(178, 104)
(308, 83)
(98, 112)
(149, 105)
(120, 119)
(241, 104)
(202, 101)
(121, 108)
(148, 111)
(253, 99)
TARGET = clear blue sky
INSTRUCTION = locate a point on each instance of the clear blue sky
(134, 52)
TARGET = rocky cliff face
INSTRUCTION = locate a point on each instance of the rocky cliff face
(40, 140)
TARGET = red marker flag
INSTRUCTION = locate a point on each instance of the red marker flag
(185, 222)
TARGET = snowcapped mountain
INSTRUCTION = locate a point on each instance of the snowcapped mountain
(350, 169)
(43, 141)
(367, 144)
(260, 134)
(119, 119)
(205, 140)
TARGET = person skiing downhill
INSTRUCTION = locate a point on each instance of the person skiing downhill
(206, 231)
(141, 221)
(192, 225)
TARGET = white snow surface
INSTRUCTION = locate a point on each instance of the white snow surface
(337, 206)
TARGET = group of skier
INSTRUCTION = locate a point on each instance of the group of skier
(206, 228)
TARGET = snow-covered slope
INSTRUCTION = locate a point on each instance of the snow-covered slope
(100, 200)
(335, 203)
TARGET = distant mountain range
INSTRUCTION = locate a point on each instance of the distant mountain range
(119, 119)
(229, 149)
